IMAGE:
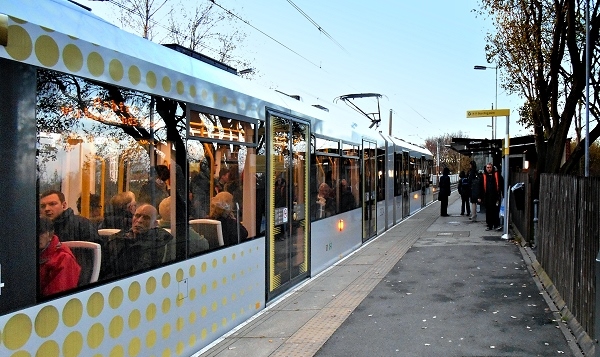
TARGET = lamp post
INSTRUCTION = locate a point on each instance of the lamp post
(496, 102)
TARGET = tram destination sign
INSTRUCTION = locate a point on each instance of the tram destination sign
(488, 113)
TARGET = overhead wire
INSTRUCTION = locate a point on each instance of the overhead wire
(264, 33)
(316, 25)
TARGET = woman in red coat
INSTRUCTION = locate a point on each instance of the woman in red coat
(59, 270)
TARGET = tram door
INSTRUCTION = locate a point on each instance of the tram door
(289, 224)
(369, 190)
(405, 186)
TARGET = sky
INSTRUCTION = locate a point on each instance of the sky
(419, 55)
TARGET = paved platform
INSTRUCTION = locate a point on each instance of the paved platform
(430, 286)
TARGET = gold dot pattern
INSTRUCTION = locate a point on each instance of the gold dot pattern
(17, 331)
(134, 291)
(46, 51)
(115, 68)
(95, 304)
(72, 312)
(46, 321)
(73, 344)
(150, 312)
(135, 318)
(95, 64)
(115, 299)
(59, 328)
(134, 74)
(151, 339)
(72, 58)
(115, 329)
(166, 280)
(19, 45)
(95, 335)
(151, 285)
(166, 305)
(48, 349)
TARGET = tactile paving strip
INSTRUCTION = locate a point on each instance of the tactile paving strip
(309, 339)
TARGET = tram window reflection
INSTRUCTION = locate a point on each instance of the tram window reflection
(236, 168)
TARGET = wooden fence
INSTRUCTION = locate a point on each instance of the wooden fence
(522, 219)
(568, 238)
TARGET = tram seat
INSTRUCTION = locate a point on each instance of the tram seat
(169, 249)
(89, 257)
(210, 229)
(108, 231)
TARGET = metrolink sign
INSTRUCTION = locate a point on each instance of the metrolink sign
(487, 113)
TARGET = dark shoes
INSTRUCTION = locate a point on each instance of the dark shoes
(445, 215)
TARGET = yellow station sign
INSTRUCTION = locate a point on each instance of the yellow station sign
(488, 113)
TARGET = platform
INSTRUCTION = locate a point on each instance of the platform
(430, 286)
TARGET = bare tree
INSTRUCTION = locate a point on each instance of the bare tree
(539, 47)
(448, 158)
(140, 15)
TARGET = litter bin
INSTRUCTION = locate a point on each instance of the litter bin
(518, 191)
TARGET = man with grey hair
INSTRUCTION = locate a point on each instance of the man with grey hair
(140, 248)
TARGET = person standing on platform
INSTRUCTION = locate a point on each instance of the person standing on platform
(474, 178)
(444, 192)
(490, 195)
(464, 188)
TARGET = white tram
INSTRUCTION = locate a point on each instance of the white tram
(96, 113)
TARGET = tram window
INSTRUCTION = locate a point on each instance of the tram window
(381, 175)
(98, 142)
(238, 170)
(349, 187)
(324, 187)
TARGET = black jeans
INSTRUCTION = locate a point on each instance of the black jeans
(492, 214)
(465, 205)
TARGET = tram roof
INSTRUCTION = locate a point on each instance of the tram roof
(67, 23)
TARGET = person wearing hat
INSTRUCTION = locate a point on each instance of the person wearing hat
(58, 267)
(221, 209)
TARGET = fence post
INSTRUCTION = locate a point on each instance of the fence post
(506, 234)
(597, 310)
(535, 221)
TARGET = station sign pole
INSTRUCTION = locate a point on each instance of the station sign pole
(496, 113)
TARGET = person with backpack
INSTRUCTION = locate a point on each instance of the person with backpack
(464, 189)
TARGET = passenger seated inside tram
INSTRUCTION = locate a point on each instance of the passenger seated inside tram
(347, 201)
(58, 267)
(123, 207)
(324, 205)
(156, 189)
(221, 209)
(67, 225)
(95, 209)
(196, 242)
(143, 246)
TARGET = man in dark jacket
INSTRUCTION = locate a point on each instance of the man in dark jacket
(474, 178)
(139, 248)
(444, 192)
(490, 195)
(67, 225)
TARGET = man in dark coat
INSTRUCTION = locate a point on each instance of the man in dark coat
(490, 195)
(444, 192)
(474, 178)
(139, 248)
(67, 225)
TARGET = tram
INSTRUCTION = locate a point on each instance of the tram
(107, 124)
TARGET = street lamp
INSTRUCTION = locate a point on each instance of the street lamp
(496, 102)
